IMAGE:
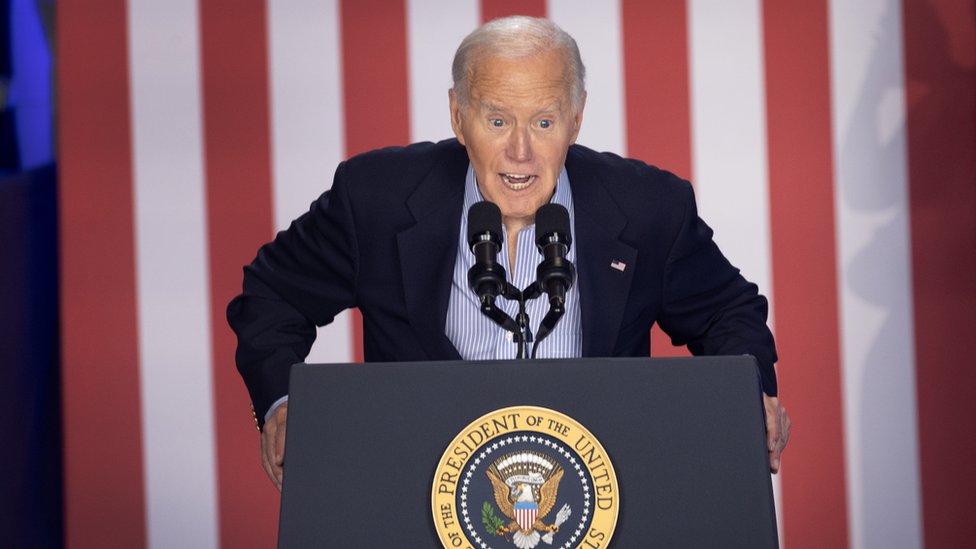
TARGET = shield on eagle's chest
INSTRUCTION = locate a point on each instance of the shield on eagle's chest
(525, 514)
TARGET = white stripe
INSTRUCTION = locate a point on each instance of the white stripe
(307, 139)
(596, 27)
(435, 28)
(728, 112)
(172, 266)
(874, 280)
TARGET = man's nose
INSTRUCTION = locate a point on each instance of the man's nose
(520, 145)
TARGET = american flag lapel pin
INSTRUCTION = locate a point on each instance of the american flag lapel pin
(617, 264)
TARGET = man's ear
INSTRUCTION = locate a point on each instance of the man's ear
(578, 119)
(455, 115)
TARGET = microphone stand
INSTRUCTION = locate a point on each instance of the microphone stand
(524, 334)
(519, 327)
(557, 308)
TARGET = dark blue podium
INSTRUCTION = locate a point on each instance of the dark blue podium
(685, 437)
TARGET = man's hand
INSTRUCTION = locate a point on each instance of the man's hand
(273, 445)
(777, 430)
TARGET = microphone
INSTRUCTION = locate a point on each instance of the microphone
(486, 277)
(553, 237)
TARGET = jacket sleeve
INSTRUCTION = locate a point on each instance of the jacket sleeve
(708, 305)
(300, 280)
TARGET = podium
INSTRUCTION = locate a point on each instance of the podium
(685, 437)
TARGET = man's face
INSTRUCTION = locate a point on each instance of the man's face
(517, 127)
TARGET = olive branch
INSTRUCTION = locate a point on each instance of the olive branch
(491, 521)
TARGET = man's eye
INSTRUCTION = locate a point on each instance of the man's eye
(497, 122)
(545, 124)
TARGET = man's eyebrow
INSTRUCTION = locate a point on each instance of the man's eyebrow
(488, 106)
(555, 106)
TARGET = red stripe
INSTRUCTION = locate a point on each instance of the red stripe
(657, 98)
(804, 269)
(239, 212)
(104, 494)
(493, 9)
(940, 68)
(375, 90)
(657, 89)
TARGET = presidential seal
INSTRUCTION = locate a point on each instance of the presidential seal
(525, 477)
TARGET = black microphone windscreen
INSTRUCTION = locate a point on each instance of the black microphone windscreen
(552, 219)
(484, 217)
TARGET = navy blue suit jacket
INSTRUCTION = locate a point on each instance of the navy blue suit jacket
(384, 239)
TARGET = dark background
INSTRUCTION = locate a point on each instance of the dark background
(30, 486)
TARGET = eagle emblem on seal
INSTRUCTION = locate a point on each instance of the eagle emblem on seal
(525, 486)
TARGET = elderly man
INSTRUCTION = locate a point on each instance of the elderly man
(389, 238)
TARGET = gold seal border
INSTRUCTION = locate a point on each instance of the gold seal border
(504, 421)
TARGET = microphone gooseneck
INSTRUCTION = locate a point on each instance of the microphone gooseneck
(487, 278)
(556, 274)
(553, 237)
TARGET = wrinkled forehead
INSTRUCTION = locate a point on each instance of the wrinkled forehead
(555, 59)
(544, 77)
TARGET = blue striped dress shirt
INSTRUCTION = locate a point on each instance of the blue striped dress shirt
(473, 334)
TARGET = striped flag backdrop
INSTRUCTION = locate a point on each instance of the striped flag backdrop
(832, 147)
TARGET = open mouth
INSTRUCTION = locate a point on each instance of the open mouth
(517, 181)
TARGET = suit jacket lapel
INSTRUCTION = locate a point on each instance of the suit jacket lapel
(428, 251)
(603, 289)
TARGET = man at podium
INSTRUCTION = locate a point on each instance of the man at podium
(392, 237)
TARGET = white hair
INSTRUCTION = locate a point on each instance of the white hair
(513, 38)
